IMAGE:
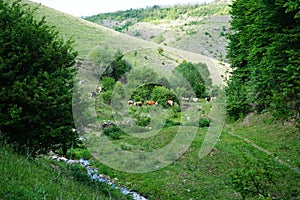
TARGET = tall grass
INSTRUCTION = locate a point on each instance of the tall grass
(25, 178)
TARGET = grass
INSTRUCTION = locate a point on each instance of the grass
(207, 178)
(279, 139)
(24, 178)
(237, 169)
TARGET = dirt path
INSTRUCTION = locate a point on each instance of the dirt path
(282, 162)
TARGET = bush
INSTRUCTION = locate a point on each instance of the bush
(256, 179)
(77, 153)
(113, 132)
(143, 121)
(170, 122)
(36, 82)
(203, 122)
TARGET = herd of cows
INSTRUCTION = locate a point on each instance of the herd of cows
(148, 103)
(169, 102)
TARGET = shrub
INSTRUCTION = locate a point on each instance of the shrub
(256, 179)
(160, 50)
(77, 153)
(36, 82)
(203, 122)
(143, 121)
(170, 122)
(113, 132)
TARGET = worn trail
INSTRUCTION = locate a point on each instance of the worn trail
(282, 162)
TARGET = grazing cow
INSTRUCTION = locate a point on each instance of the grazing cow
(130, 102)
(139, 103)
(195, 100)
(92, 94)
(99, 89)
(170, 102)
(185, 99)
(81, 82)
(149, 103)
(208, 99)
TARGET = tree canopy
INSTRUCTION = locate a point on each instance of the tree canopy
(264, 52)
(36, 76)
(191, 74)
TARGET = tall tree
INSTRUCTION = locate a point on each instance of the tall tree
(192, 75)
(36, 77)
(264, 54)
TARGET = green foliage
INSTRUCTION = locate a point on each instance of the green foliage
(204, 72)
(124, 27)
(118, 67)
(170, 122)
(143, 121)
(191, 74)
(113, 132)
(77, 153)
(36, 78)
(156, 13)
(162, 94)
(107, 96)
(141, 77)
(264, 55)
(204, 122)
(256, 179)
(159, 39)
(40, 178)
(108, 83)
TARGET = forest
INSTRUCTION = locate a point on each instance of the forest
(264, 54)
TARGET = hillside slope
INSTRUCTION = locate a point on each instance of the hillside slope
(198, 28)
(88, 36)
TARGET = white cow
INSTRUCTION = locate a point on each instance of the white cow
(195, 100)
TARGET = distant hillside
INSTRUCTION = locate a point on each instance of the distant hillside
(198, 28)
(140, 53)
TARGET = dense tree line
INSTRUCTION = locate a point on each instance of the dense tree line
(36, 77)
(264, 53)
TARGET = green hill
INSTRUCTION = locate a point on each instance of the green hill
(198, 28)
(89, 36)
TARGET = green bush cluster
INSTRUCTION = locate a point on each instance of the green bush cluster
(143, 121)
(113, 132)
(170, 122)
(204, 122)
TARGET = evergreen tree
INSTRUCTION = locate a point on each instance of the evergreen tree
(264, 54)
(36, 76)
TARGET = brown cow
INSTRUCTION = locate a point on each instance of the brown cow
(149, 103)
